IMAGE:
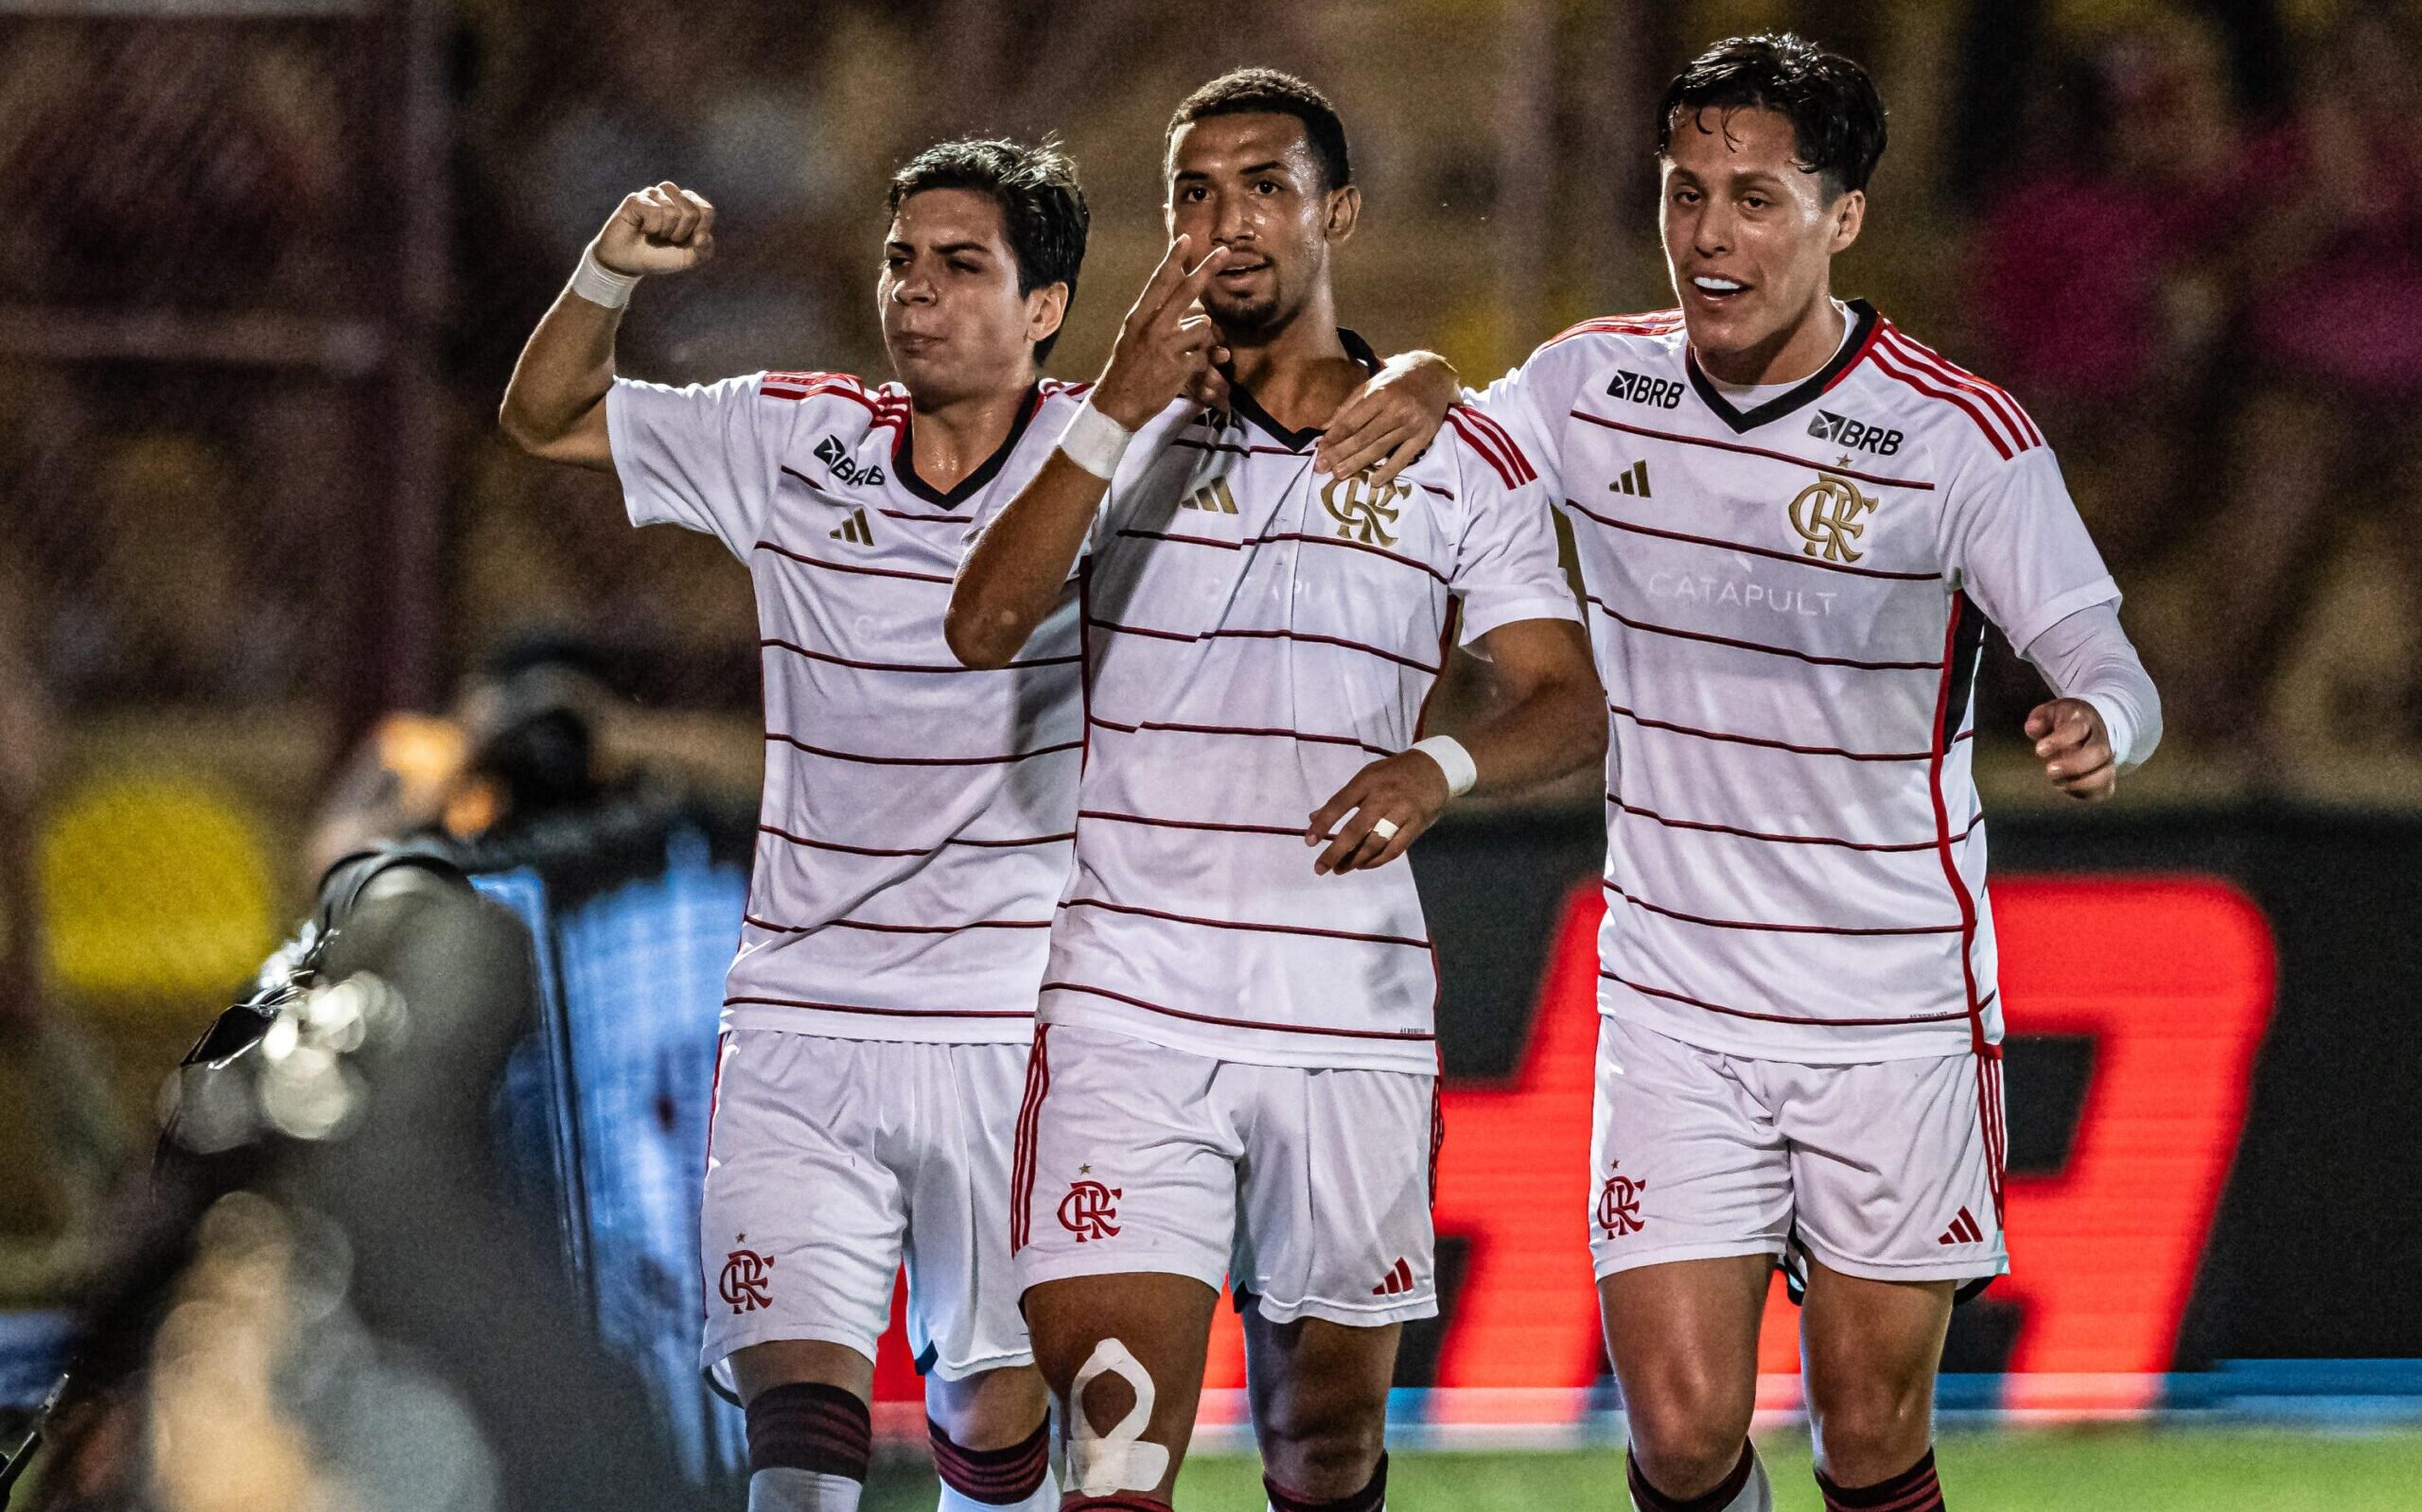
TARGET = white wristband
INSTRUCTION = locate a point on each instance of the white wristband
(1453, 759)
(1095, 441)
(599, 285)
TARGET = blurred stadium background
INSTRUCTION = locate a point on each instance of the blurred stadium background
(271, 582)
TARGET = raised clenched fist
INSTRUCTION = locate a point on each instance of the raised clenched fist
(667, 230)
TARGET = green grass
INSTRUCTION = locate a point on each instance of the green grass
(2090, 1469)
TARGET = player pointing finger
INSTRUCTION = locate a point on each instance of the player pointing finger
(1164, 342)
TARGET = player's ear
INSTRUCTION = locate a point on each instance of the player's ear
(1849, 214)
(1345, 213)
(1044, 309)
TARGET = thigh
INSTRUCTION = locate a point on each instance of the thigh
(1124, 1163)
(800, 1222)
(1869, 1352)
(1683, 1338)
(1896, 1167)
(1124, 1354)
(1319, 1397)
(1333, 1194)
(963, 1316)
(1685, 1162)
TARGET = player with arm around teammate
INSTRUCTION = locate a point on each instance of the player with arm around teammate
(1234, 1075)
(917, 816)
(1793, 522)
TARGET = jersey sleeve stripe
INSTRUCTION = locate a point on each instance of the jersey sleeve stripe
(1775, 1018)
(1764, 743)
(1705, 827)
(1796, 559)
(1237, 1024)
(1493, 446)
(1248, 927)
(2004, 402)
(1647, 323)
(1646, 628)
(1886, 365)
(1160, 726)
(1762, 926)
(777, 643)
(1489, 426)
(865, 760)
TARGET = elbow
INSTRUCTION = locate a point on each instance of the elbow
(1584, 724)
(962, 631)
(514, 420)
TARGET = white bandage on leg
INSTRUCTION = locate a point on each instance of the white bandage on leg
(1119, 1460)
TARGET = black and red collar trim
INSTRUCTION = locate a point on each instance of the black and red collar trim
(1863, 325)
(903, 465)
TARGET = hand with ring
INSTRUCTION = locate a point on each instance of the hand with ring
(1377, 815)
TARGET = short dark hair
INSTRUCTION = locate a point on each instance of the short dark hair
(1837, 118)
(1269, 93)
(1043, 213)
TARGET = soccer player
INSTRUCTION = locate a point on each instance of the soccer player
(1793, 522)
(1234, 1075)
(917, 817)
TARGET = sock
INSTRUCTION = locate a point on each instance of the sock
(808, 1448)
(1914, 1489)
(1371, 1498)
(1122, 1502)
(1017, 1478)
(1745, 1489)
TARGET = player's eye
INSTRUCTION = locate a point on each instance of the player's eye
(1755, 201)
(1191, 194)
(1268, 186)
(965, 265)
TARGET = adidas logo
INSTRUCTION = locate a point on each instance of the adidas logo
(1634, 482)
(854, 530)
(1963, 1230)
(1400, 1280)
(1212, 498)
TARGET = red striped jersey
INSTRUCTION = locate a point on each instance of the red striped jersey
(1256, 635)
(917, 815)
(1786, 605)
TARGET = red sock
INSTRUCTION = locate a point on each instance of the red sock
(1914, 1489)
(1652, 1500)
(805, 1426)
(997, 1477)
(1121, 1502)
(1371, 1498)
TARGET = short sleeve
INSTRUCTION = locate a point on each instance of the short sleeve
(2013, 542)
(702, 457)
(1532, 402)
(1505, 564)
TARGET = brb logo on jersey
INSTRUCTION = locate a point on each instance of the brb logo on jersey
(835, 457)
(1826, 513)
(1663, 393)
(1089, 1207)
(1618, 1204)
(1844, 431)
(745, 1283)
(1363, 513)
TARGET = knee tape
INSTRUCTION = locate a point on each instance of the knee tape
(1119, 1460)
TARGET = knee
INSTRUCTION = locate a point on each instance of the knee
(1870, 1430)
(1321, 1452)
(1687, 1435)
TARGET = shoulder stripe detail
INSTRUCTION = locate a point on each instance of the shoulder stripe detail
(2004, 404)
(1778, 1018)
(1494, 446)
(1647, 323)
(1887, 364)
(1355, 936)
(864, 759)
(1234, 1023)
(813, 379)
(1052, 386)
(1763, 928)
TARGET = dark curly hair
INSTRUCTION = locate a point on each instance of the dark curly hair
(1837, 118)
(1269, 93)
(1042, 208)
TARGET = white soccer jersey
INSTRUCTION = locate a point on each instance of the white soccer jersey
(1786, 606)
(1256, 635)
(917, 814)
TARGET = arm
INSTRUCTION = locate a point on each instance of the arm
(554, 406)
(1554, 722)
(1390, 420)
(1013, 574)
(2105, 717)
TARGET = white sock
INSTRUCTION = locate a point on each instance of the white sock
(783, 1489)
(1046, 1499)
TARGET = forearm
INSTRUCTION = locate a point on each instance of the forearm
(1552, 728)
(2088, 656)
(1014, 574)
(554, 406)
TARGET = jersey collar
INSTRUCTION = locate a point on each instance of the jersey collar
(904, 452)
(1863, 333)
(1244, 407)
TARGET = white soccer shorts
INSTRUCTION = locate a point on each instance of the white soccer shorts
(829, 1163)
(1307, 1189)
(1883, 1170)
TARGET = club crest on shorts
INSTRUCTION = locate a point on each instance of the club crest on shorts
(1088, 1208)
(1618, 1204)
(745, 1283)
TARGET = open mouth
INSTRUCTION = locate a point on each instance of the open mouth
(1717, 291)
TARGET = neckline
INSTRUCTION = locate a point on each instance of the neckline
(1242, 404)
(1854, 345)
(904, 454)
